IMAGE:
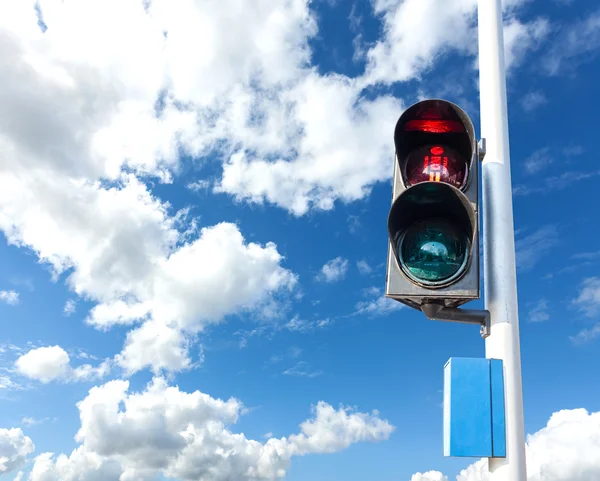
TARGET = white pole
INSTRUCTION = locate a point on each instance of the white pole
(498, 237)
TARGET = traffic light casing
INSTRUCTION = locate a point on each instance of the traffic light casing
(433, 223)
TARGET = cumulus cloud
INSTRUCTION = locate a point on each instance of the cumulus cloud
(80, 465)
(567, 449)
(520, 38)
(120, 247)
(162, 430)
(325, 168)
(10, 297)
(140, 101)
(46, 364)
(91, 113)
(416, 32)
(429, 476)
(333, 270)
(136, 103)
(70, 307)
(411, 41)
(14, 449)
(316, 169)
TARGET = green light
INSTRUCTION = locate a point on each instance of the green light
(433, 251)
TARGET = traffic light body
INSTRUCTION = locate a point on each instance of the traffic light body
(433, 223)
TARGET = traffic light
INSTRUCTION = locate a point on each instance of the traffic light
(433, 257)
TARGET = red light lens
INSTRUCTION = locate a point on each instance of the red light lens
(434, 126)
(436, 163)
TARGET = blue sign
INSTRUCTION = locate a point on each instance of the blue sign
(474, 423)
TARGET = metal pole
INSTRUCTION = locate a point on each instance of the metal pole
(498, 236)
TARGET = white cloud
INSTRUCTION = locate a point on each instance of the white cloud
(332, 430)
(296, 324)
(429, 476)
(10, 297)
(253, 92)
(567, 449)
(586, 335)
(333, 270)
(311, 168)
(538, 160)
(354, 224)
(120, 244)
(539, 312)
(588, 300)
(302, 369)
(531, 248)
(107, 88)
(533, 100)
(46, 364)
(294, 351)
(199, 185)
(520, 38)
(73, 187)
(573, 150)
(28, 421)
(81, 465)
(377, 304)
(555, 182)
(7, 383)
(363, 267)
(323, 111)
(156, 345)
(14, 449)
(416, 32)
(70, 307)
(184, 436)
(574, 44)
(478, 471)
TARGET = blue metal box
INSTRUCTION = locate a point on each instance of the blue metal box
(474, 424)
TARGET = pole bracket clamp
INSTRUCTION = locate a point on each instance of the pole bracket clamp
(481, 149)
(438, 312)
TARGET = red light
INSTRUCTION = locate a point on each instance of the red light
(434, 126)
(434, 163)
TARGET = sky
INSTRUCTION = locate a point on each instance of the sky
(193, 205)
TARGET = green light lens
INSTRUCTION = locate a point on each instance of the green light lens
(433, 251)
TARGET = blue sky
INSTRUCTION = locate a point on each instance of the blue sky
(193, 205)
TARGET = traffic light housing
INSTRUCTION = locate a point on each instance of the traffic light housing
(433, 223)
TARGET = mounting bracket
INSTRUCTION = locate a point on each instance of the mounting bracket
(481, 149)
(438, 312)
